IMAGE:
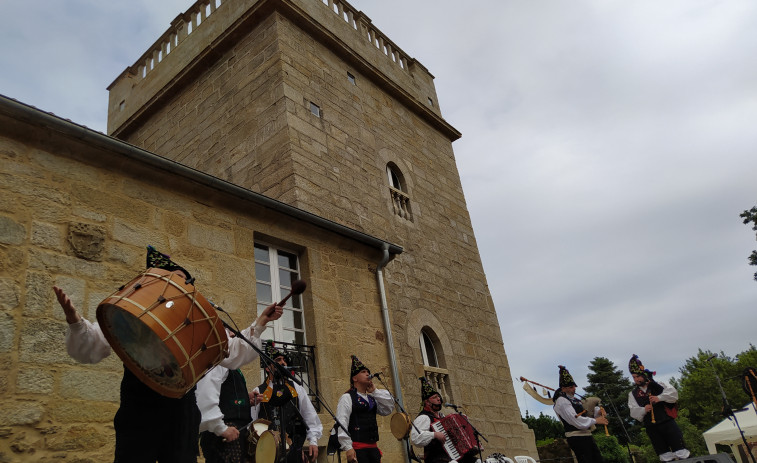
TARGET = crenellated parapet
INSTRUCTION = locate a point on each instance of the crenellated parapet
(208, 26)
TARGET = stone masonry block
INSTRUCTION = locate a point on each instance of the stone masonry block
(11, 232)
(42, 342)
(20, 412)
(9, 294)
(46, 235)
(91, 385)
(34, 381)
(7, 332)
(38, 292)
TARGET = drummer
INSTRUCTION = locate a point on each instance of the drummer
(423, 435)
(151, 427)
(300, 419)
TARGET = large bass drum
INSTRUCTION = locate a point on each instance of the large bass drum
(164, 331)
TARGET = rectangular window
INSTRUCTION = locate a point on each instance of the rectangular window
(351, 78)
(315, 109)
(275, 270)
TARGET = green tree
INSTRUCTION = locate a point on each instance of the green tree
(611, 449)
(751, 216)
(698, 391)
(608, 383)
(544, 427)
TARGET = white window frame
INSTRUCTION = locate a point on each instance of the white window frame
(425, 353)
(277, 330)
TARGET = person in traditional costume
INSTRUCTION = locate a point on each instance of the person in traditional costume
(357, 409)
(423, 435)
(655, 404)
(300, 419)
(224, 404)
(574, 418)
(149, 426)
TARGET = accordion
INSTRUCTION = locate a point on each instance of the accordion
(460, 436)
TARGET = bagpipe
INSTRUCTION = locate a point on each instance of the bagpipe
(588, 403)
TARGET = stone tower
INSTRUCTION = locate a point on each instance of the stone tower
(308, 103)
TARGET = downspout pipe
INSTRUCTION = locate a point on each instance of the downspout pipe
(388, 325)
(388, 329)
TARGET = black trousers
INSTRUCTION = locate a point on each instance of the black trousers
(216, 450)
(665, 436)
(368, 455)
(586, 449)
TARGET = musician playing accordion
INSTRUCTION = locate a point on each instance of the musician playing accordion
(425, 436)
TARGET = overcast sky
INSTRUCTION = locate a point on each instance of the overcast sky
(607, 152)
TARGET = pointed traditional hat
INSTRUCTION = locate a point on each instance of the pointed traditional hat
(156, 259)
(635, 367)
(357, 367)
(566, 379)
(427, 390)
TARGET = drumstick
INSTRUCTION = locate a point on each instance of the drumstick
(298, 287)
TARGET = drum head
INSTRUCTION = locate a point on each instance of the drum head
(142, 347)
(268, 445)
(400, 425)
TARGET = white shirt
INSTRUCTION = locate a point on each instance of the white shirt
(425, 436)
(565, 410)
(315, 428)
(669, 394)
(384, 406)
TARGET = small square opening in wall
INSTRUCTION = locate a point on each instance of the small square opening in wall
(430, 102)
(315, 109)
(351, 78)
(122, 105)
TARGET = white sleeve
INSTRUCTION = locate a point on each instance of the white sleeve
(208, 395)
(384, 401)
(343, 412)
(255, 410)
(565, 410)
(240, 352)
(636, 410)
(85, 342)
(315, 428)
(669, 394)
(425, 436)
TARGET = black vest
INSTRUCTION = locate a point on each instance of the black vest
(434, 452)
(659, 409)
(234, 400)
(281, 396)
(362, 426)
(577, 406)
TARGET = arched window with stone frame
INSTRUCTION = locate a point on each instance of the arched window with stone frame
(434, 364)
(399, 192)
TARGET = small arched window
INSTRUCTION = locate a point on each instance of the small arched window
(394, 177)
(398, 192)
(428, 350)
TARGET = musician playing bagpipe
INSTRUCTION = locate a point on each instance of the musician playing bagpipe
(574, 418)
(423, 434)
(656, 405)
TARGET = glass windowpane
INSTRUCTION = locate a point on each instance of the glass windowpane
(261, 253)
(262, 272)
(263, 292)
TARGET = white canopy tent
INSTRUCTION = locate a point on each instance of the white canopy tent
(726, 432)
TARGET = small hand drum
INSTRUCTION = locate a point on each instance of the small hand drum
(400, 425)
(164, 331)
(268, 450)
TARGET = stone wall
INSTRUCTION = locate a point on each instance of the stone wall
(79, 216)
